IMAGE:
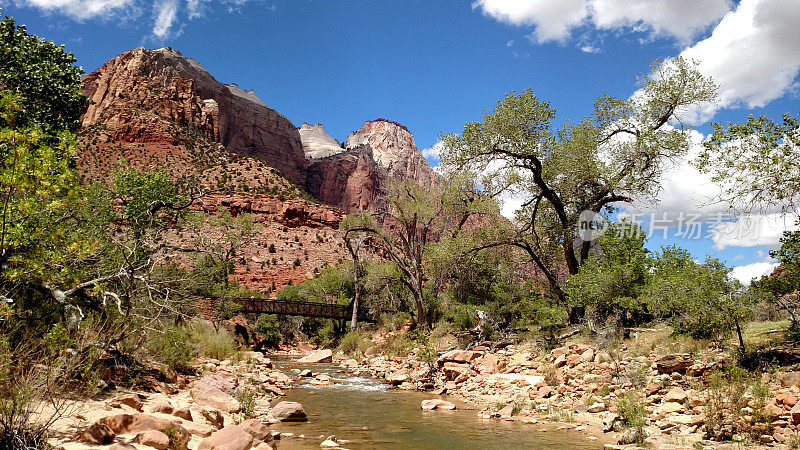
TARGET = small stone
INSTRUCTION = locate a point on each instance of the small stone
(675, 394)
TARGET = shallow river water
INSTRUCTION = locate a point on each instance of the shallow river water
(368, 414)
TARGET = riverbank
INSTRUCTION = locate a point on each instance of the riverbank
(640, 393)
(260, 402)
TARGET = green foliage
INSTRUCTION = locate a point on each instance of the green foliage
(581, 166)
(268, 326)
(210, 343)
(612, 280)
(148, 198)
(755, 162)
(700, 299)
(44, 77)
(174, 348)
(353, 343)
(331, 285)
(632, 408)
(248, 401)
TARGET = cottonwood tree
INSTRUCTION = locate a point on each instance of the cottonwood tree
(615, 155)
(355, 240)
(755, 162)
(417, 217)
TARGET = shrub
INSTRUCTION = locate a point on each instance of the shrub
(210, 343)
(352, 343)
(268, 327)
(632, 409)
(174, 348)
(248, 402)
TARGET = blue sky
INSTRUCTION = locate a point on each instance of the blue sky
(434, 65)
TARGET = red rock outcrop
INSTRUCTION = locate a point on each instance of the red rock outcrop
(142, 95)
(350, 180)
(393, 149)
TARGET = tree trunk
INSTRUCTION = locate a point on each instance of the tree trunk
(356, 295)
(422, 316)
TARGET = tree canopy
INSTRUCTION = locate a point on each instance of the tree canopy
(615, 155)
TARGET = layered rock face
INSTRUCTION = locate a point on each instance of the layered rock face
(141, 95)
(356, 179)
(317, 143)
(394, 150)
(351, 180)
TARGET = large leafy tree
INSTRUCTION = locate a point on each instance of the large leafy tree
(43, 75)
(615, 155)
(417, 217)
(755, 162)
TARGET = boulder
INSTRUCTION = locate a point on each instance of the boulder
(223, 382)
(318, 356)
(486, 364)
(453, 369)
(329, 443)
(676, 394)
(437, 403)
(137, 423)
(231, 437)
(213, 396)
(152, 438)
(506, 412)
(795, 414)
(396, 377)
(258, 430)
(459, 356)
(596, 407)
(674, 363)
(96, 433)
(160, 405)
(288, 412)
(184, 413)
(132, 400)
(790, 379)
(322, 380)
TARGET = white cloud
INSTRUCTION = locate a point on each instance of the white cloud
(433, 151)
(754, 230)
(589, 49)
(510, 43)
(682, 19)
(166, 12)
(79, 9)
(554, 19)
(746, 273)
(754, 52)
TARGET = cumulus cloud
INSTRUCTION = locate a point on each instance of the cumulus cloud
(555, 19)
(746, 273)
(79, 9)
(753, 53)
(754, 230)
(166, 12)
(432, 153)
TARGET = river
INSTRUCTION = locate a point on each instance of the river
(368, 414)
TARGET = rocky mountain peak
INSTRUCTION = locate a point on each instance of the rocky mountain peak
(141, 95)
(317, 143)
(394, 150)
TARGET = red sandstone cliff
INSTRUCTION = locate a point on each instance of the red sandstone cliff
(142, 95)
(393, 149)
